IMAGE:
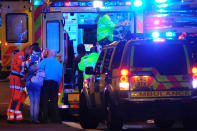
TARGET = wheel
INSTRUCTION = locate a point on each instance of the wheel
(190, 124)
(114, 122)
(164, 123)
(87, 117)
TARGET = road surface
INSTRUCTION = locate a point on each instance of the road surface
(65, 125)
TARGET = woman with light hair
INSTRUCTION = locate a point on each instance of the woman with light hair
(33, 84)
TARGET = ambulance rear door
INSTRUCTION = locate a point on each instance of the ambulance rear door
(54, 38)
(53, 34)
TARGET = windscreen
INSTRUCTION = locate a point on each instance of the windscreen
(16, 28)
(167, 59)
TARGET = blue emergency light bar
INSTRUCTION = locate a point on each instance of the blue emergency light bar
(90, 3)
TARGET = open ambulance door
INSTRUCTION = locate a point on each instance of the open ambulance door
(53, 33)
(54, 39)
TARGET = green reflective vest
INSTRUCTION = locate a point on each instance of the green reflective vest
(105, 28)
(87, 61)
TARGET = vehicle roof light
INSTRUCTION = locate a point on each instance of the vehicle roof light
(162, 5)
(160, 1)
(194, 70)
(97, 4)
(67, 3)
(124, 72)
(138, 3)
(155, 34)
(156, 22)
(128, 3)
(169, 34)
(38, 2)
(159, 40)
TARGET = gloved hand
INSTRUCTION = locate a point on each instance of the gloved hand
(34, 59)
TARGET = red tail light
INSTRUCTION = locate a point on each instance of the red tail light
(194, 70)
(124, 84)
(6, 44)
(124, 72)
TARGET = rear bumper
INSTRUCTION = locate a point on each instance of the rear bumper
(165, 109)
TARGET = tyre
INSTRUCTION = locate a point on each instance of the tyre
(87, 117)
(164, 123)
(114, 121)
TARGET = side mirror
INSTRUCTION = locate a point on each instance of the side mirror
(89, 70)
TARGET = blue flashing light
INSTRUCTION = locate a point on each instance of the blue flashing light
(159, 40)
(74, 4)
(82, 4)
(109, 3)
(89, 3)
(162, 5)
(128, 2)
(156, 22)
(162, 10)
(155, 34)
(58, 4)
(38, 2)
(170, 34)
(160, 1)
(97, 4)
(138, 3)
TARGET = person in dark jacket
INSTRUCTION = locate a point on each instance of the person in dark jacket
(81, 53)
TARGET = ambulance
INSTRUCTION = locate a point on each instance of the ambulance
(141, 80)
(61, 26)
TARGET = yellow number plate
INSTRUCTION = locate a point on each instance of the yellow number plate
(141, 81)
(73, 97)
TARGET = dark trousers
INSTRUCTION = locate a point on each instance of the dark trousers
(49, 96)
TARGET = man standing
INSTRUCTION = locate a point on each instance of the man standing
(17, 98)
(49, 93)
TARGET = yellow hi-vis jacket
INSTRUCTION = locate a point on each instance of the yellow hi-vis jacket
(87, 61)
(105, 28)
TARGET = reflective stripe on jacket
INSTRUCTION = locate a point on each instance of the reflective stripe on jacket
(87, 61)
(105, 28)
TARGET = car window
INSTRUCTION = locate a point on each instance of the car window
(118, 55)
(192, 51)
(16, 28)
(99, 63)
(126, 58)
(107, 60)
(166, 58)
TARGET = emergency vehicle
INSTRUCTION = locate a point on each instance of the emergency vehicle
(60, 26)
(141, 80)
